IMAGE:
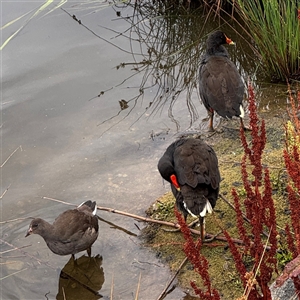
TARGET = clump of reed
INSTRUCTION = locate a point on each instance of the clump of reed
(274, 28)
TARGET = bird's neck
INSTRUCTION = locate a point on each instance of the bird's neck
(217, 50)
(47, 231)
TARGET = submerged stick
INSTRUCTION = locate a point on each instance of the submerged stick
(138, 288)
(10, 156)
(5, 191)
(9, 250)
(14, 220)
(12, 274)
(164, 292)
(27, 254)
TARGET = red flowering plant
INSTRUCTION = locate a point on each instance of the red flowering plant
(259, 209)
(199, 261)
(291, 156)
(258, 206)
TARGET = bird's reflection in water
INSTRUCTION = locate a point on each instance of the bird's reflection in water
(81, 280)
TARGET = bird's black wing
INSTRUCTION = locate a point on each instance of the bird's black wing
(220, 86)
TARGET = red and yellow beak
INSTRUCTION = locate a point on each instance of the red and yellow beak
(229, 41)
(175, 182)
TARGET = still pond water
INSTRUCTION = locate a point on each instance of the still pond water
(92, 94)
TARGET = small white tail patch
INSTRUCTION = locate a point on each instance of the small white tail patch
(207, 209)
(189, 210)
(81, 204)
(242, 115)
(94, 211)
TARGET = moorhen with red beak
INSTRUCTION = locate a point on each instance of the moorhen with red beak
(220, 85)
(73, 231)
(191, 166)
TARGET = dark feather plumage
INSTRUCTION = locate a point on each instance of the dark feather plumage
(195, 165)
(220, 85)
(72, 231)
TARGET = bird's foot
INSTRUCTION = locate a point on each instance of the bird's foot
(192, 224)
(205, 240)
(247, 128)
(75, 264)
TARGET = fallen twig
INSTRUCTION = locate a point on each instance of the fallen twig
(232, 206)
(28, 255)
(14, 220)
(14, 249)
(112, 288)
(244, 216)
(164, 292)
(12, 274)
(239, 163)
(59, 201)
(10, 156)
(149, 220)
(138, 288)
(5, 191)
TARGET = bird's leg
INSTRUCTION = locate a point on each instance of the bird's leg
(243, 125)
(202, 228)
(203, 233)
(74, 261)
(211, 120)
(89, 251)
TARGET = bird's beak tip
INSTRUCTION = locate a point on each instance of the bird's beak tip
(29, 232)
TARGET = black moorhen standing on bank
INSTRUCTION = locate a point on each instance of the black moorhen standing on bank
(220, 85)
(191, 166)
(73, 231)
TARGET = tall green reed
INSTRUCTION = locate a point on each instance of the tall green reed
(275, 29)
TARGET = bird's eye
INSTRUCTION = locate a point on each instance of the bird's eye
(35, 225)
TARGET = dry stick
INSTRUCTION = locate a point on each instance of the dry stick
(5, 191)
(138, 288)
(149, 220)
(28, 255)
(249, 287)
(239, 163)
(163, 293)
(112, 287)
(14, 220)
(10, 156)
(14, 249)
(245, 218)
(171, 224)
(12, 274)
(59, 201)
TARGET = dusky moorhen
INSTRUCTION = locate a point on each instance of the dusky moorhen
(191, 166)
(220, 85)
(73, 231)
